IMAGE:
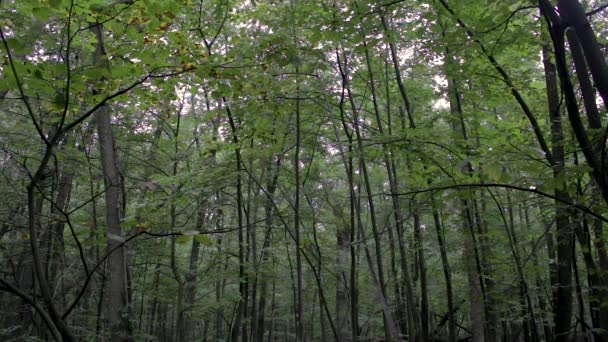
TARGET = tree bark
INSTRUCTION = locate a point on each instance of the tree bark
(563, 296)
(116, 290)
(299, 301)
(242, 304)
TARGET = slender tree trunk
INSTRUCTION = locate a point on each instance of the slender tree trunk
(153, 311)
(351, 229)
(219, 292)
(476, 292)
(179, 333)
(447, 273)
(595, 276)
(271, 324)
(421, 261)
(188, 332)
(482, 326)
(266, 255)
(579, 294)
(116, 316)
(299, 301)
(354, 284)
(597, 227)
(378, 278)
(389, 325)
(595, 125)
(418, 323)
(116, 289)
(252, 215)
(343, 246)
(528, 312)
(391, 170)
(485, 255)
(55, 258)
(390, 332)
(563, 296)
(242, 304)
(322, 319)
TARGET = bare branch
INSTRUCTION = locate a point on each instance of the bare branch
(8, 287)
(533, 190)
(597, 10)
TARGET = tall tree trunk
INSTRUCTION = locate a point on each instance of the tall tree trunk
(597, 227)
(418, 322)
(252, 225)
(190, 286)
(350, 226)
(266, 254)
(574, 15)
(378, 278)
(390, 332)
(415, 324)
(299, 301)
(342, 308)
(483, 323)
(476, 291)
(447, 273)
(595, 275)
(243, 287)
(579, 295)
(421, 262)
(116, 289)
(562, 306)
(219, 293)
(542, 306)
(598, 278)
(178, 333)
(527, 306)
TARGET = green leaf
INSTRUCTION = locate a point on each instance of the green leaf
(55, 3)
(16, 46)
(59, 101)
(38, 73)
(41, 13)
(203, 239)
(183, 239)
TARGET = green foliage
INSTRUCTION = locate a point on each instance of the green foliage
(186, 66)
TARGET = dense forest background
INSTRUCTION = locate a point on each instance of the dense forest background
(303, 170)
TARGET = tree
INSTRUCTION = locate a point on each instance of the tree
(302, 170)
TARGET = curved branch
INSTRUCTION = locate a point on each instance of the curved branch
(506, 21)
(580, 207)
(119, 92)
(8, 287)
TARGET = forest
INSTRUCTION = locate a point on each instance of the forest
(303, 170)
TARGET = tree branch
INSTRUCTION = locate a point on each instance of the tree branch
(597, 10)
(508, 82)
(533, 190)
(8, 287)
